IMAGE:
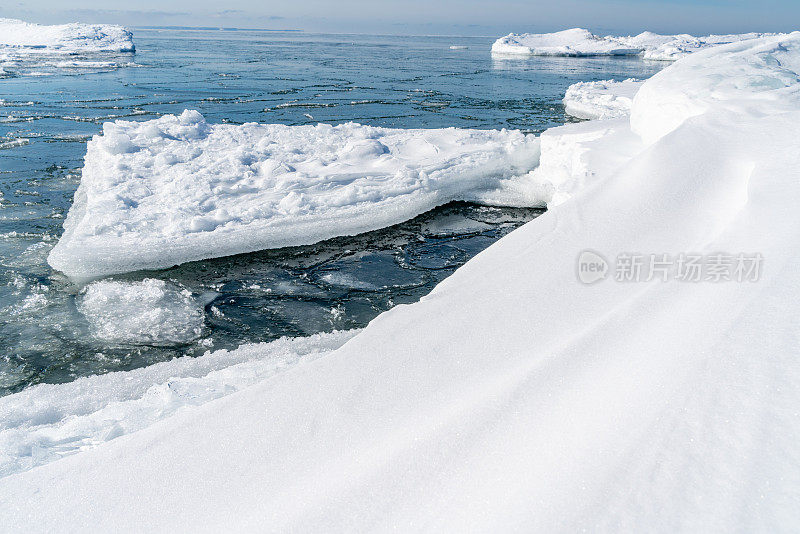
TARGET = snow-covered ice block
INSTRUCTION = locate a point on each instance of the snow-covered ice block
(67, 38)
(580, 42)
(607, 99)
(176, 189)
(574, 42)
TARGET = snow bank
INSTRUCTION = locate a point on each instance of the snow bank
(607, 99)
(176, 189)
(64, 38)
(580, 42)
(515, 397)
(47, 422)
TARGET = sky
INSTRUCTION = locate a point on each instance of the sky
(440, 17)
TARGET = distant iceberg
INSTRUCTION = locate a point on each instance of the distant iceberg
(65, 38)
(35, 49)
(574, 42)
(176, 189)
(581, 42)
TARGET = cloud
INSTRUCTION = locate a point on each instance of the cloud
(125, 13)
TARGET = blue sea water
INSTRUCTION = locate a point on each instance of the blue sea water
(48, 111)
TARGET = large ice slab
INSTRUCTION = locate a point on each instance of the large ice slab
(581, 42)
(606, 99)
(176, 189)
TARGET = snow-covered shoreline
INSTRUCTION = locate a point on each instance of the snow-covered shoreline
(514, 397)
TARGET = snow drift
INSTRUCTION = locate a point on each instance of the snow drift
(514, 397)
(175, 189)
(580, 42)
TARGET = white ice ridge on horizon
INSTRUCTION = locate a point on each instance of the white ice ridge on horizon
(514, 397)
(581, 42)
(176, 189)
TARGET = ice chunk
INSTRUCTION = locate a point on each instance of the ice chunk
(607, 99)
(158, 193)
(149, 311)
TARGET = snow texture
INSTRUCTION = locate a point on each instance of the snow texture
(580, 42)
(176, 189)
(514, 397)
(607, 99)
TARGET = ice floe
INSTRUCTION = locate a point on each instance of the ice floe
(581, 42)
(606, 99)
(163, 192)
(514, 396)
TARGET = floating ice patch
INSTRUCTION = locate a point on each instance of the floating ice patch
(163, 192)
(146, 312)
(607, 99)
(580, 42)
